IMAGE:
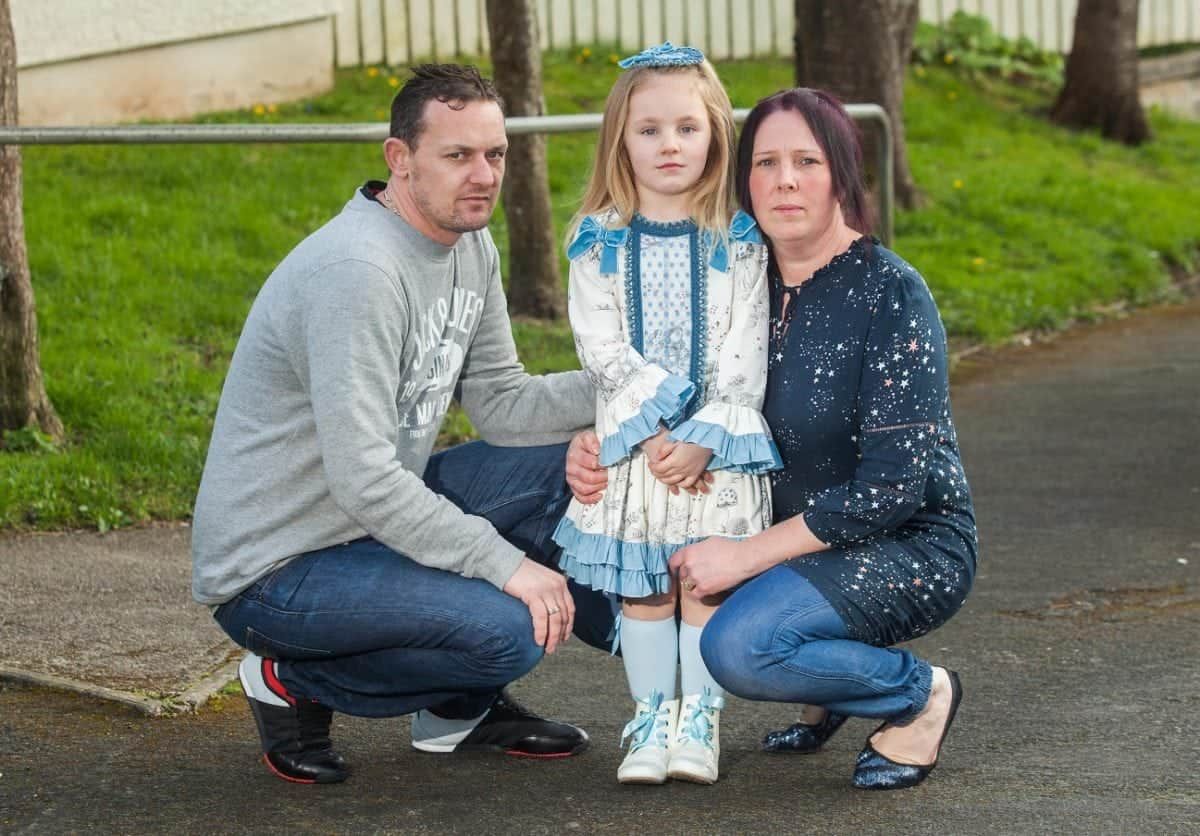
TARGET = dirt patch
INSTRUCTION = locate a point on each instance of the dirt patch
(1119, 604)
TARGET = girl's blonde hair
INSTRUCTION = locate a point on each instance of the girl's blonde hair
(612, 186)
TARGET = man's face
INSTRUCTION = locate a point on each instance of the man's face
(452, 179)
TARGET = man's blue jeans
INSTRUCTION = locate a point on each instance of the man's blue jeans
(367, 631)
(777, 638)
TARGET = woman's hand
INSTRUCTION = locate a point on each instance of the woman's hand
(585, 477)
(711, 566)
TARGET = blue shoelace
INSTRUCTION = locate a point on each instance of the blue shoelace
(643, 727)
(697, 725)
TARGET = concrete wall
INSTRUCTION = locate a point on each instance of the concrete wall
(100, 61)
(1172, 83)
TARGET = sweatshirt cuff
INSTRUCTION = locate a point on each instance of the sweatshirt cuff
(495, 560)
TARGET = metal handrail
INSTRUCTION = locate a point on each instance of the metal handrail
(173, 134)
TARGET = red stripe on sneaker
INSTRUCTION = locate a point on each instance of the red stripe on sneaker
(273, 683)
(285, 776)
(548, 756)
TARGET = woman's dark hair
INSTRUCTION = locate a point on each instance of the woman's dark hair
(838, 137)
(452, 84)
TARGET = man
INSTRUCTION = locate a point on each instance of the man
(362, 574)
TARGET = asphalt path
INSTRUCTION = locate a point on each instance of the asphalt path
(1077, 650)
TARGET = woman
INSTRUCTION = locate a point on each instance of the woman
(874, 536)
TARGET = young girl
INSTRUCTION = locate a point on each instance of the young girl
(668, 303)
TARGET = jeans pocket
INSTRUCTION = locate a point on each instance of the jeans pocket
(272, 648)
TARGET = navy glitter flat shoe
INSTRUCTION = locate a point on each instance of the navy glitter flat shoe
(873, 771)
(803, 738)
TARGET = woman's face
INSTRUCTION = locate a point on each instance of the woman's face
(791, 190)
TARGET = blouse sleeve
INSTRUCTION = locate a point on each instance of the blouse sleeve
(902, 396)
(730, 422)
(634, 396)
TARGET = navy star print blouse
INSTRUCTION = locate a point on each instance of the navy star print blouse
(858, 403)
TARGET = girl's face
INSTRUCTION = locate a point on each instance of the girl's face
(791, 189)
(667, 136)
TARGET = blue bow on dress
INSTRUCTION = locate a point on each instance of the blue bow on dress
(742, 228)
(665, 54)
(592, 232)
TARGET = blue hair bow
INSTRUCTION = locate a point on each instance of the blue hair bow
(592, 232)
(663, 55)
(742, 228)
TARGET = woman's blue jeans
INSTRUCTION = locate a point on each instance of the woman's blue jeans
(367, 631)
(777, 638)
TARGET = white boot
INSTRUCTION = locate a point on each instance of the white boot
(652, 729)
(697, 745)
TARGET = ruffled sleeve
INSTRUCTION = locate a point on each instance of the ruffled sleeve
(634, 397)
(730, 423)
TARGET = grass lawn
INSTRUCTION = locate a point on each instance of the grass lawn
(145, 259)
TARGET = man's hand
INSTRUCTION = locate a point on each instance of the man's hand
(585, 477)
(544, 591)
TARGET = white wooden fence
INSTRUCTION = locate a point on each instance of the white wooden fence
(401, 31)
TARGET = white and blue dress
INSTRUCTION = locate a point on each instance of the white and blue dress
(671, 326)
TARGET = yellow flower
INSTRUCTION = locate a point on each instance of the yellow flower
(613, 58)
(978, 261)
(372, 72)
(958, 184)
(272, 108)
(948, 57)
(393, 82)
(259, 110)
(585, 52)
(920, 72)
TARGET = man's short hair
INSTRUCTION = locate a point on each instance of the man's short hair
(455, 85)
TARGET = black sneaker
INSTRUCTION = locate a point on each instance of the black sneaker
(294, 733)
(510, 728)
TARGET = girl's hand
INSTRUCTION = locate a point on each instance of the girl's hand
(682, 465)
(656, 447)
(710, 566)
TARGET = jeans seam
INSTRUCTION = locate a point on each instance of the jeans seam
(493, 630)
(508, 500)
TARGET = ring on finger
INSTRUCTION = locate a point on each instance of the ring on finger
(552, 610)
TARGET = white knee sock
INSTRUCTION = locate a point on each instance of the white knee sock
(650, 650)
(694, 674)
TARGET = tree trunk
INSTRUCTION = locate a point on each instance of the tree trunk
(534, 286)
(859, 51)
(1100, 89)
(23, 400)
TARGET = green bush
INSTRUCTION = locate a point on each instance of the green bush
(969, 44)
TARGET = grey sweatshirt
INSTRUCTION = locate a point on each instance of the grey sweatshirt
(339, 383)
